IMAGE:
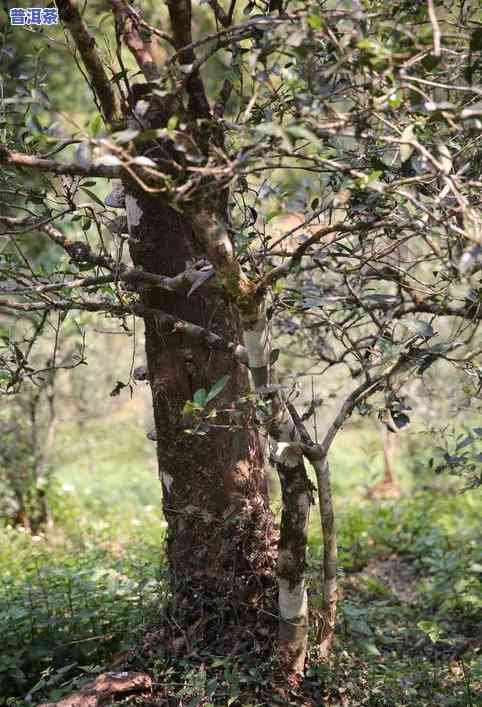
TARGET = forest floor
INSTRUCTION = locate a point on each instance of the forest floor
(77, 599)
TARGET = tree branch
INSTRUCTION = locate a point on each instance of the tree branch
(246, 27)
(165, 322)
(85, 42)
(330, 548)
(284, 269)
(232, 7)
(128, 23)
(360, 394)
(471, 311)
(140, 173)
(20, 159)
(190, 279)
(130, 276)
(219, 13)
(180, 15)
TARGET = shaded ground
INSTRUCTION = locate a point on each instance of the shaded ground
(394, 574)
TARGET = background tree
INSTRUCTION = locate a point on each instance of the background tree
(378, 107)
(27, 427)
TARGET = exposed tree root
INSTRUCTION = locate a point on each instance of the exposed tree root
(105, 689)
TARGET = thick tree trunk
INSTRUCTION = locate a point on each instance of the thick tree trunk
(220, 530)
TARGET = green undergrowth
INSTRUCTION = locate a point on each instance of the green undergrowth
(69, 602)
(74, 599)
(410, 617)
(407, 630)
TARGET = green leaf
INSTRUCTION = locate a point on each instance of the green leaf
(109, 160)
(368, 647)
(143, 160)
(395, 98)
(189, 408)
(217, 388)
(120, 75)
(274, 356)
(95, 125)
(400, 420)
(467, 441)
(425, 34)
(200, 396)
(299, 131)
(93, 196)
(445, 158)
(315, 22)
(125, 135)
(430, 62)
(431, 629)
(117, 388)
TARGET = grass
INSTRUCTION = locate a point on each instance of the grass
(110, 468)
(74, 596)
(74, 599)
(85, 589)
(411, 609)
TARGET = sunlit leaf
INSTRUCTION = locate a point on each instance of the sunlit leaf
(217, 388)
(200, 396)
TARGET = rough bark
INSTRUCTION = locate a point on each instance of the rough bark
(292, 594)
(219, 541)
